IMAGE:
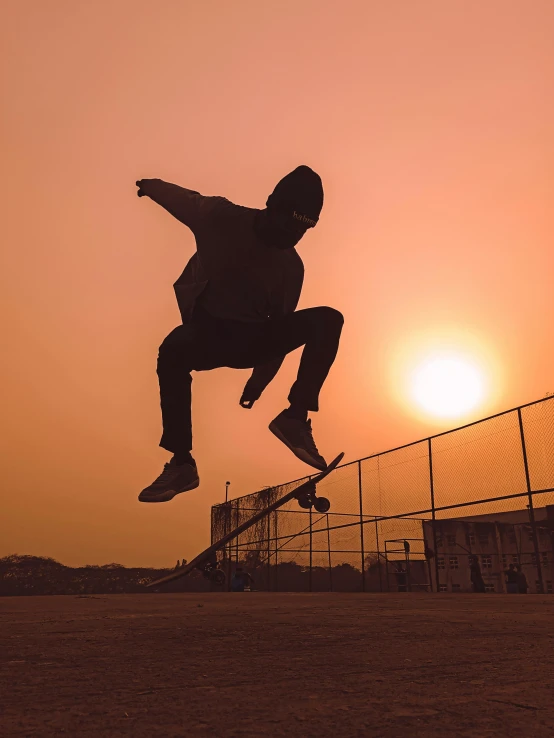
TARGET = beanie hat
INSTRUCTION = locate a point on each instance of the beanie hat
(300, 195)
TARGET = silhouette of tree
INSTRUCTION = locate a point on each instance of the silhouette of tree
(39, 575)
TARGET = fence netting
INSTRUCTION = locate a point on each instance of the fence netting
(468, 510)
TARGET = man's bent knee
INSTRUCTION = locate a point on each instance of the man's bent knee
(330, 316)
(176, 347)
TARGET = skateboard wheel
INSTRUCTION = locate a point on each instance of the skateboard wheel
(217, 576)
(322, 504)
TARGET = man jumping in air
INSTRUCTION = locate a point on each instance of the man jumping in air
(237, 298)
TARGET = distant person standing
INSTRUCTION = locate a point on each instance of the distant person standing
(401, 578)
(522, 585)
(476, 576)
(511, 580)
(240, 580)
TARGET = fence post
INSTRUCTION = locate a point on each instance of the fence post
(387, 566)
(268, 517)
(237, 521)
(361, 523)
(329, 554)
(378, 555)
(311, 550)
(276, 578)
(227, 549)
(433, 519)
(530, 506)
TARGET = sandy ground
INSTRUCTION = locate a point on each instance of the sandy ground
(259, 664)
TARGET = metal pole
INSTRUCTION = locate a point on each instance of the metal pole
(276, 578)
(530, 506)
(237, 539)
(378, 555)
(268, 545)
(552, 547)
(387, 566)
(227, 549)
(518, 545)
(361, 523)
(408, 580)
(311, 549)
(429, 573)
(433, 518)
(329, 555)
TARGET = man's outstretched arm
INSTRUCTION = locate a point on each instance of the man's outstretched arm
(188, 206)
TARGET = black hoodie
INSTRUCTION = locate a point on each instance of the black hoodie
(234, 275)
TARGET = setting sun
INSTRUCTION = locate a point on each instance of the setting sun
(447, 386)
(445, 373)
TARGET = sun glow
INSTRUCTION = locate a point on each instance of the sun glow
(448, 373)
(447, 386)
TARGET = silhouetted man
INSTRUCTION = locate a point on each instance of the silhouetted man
(240, 580)
(237, 297)
(511, 580)
(476, 575)
(522, 585)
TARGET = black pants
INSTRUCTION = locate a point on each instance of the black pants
(208, 343)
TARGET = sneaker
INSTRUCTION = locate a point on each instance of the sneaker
(297, 435)
(173, 480)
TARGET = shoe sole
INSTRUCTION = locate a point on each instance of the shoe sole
(296, 451)
(171, 493)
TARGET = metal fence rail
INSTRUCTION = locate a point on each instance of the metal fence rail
(447, 513)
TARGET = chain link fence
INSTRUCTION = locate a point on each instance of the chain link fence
(470, 509)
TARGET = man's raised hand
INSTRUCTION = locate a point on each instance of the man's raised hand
(143, 186)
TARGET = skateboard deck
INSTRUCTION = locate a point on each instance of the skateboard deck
(207, 561)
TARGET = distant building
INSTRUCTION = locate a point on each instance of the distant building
(496, 541)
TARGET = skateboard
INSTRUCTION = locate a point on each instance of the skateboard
(206, 562)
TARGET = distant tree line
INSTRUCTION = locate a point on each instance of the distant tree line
(38, 575)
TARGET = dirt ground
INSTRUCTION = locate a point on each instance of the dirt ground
(262, 664)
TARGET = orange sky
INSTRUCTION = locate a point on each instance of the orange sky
(430, 124)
